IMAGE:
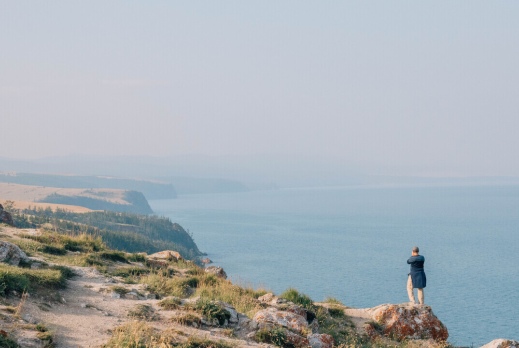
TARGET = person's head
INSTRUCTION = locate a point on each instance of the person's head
(416, 250)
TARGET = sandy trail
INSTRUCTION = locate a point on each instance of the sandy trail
(83, 317)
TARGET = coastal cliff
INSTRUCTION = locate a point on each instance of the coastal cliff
(66, 290)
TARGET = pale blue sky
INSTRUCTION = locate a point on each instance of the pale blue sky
(393, 87)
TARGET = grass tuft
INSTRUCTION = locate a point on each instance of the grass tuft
(294, 296)
(21, 279)
(170, 303)
(143, 312)
(212, 310)
(276, 336)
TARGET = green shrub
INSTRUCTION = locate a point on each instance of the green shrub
(294, 296)
(41, 327)
(243, 299)
(212, 310)
(54, 250)
(339, 326)
(188, 319)
(333, 300)
(21, 279)
(65, 271)
(336, 312)
(164, 285)
(116, 256)
(121, 290)
(129, 271)
(198, 342)
(6, 342)
(132, 335)
(170, 303)
(195, 271)
(143, 311)
(136, 257)
(276, 336)
(94, 260)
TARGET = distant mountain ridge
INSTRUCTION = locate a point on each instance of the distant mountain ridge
(150, 189)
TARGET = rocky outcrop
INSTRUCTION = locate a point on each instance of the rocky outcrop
(217, 271)
(165, 255)
(501, 343)
(404, 321)
(5, 216)
(267, 318)
(11, 254)
(292, 320)
(206, 261)
(321, 341)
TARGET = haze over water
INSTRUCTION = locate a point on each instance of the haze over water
(353, 243)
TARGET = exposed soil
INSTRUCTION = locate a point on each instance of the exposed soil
(85, 313)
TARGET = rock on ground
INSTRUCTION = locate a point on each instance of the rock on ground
(404, 321)
(11, 254)
(217, 271)
(502, 343)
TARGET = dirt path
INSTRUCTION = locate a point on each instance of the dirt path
(359, 316)
(84, 314)
(81, 316)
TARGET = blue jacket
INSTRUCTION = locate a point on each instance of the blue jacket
(417, 273)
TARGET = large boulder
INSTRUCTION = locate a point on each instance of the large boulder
(11, 254)
(502, 343)
(217, 271)
(5, 216)
(166, 255)
(271, 317)
(404, 321)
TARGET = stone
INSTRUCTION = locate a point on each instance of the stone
(166, 255)
(297, 310)
(206, 261)
(232, 311)
(272, 316)
(321, 341)
(217, 271)
(501, 343)
(267, 298)
(404, 321)
(5, 216)
(115, 295)
(11, 254)
(131, 296)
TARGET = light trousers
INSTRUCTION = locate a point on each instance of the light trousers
(411, 293)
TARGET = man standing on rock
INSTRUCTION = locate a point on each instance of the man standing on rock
(416, 277)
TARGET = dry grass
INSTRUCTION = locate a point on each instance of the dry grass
(142, 335)
(28, 193)
(243, 299)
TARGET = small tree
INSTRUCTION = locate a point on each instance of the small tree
(9, 206)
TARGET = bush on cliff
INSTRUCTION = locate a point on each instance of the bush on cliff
(294, 296)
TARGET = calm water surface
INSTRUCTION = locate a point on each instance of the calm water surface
(353, 243)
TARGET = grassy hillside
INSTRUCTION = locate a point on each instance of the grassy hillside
(121, 231)
(137, 203)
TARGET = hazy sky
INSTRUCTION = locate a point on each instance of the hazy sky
(419, 87)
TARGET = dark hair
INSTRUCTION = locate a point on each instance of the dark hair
(415, 249)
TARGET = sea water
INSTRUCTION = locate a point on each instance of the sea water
(352, 244)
